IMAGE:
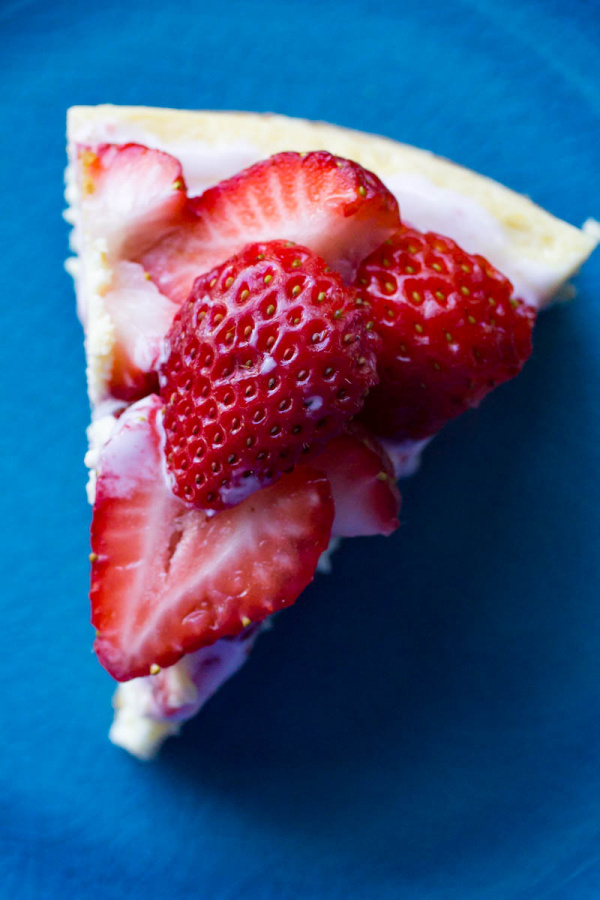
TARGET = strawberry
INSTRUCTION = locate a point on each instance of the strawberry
(141, 316)
(167, 579)
(363, 485)
(331, 205)
(129, 193)
(263, 365)
(450, 331)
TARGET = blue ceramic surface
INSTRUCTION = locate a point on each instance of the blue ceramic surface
(425, 723)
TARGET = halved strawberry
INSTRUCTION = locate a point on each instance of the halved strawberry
(129, 194)
(331, 205)
(167, 580)
(361, 475)
(141, 317)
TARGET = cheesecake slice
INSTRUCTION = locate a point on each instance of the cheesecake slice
(122, 293)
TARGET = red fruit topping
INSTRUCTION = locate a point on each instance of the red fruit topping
(167, 579)
(361, 475)
(141, 317)
(451, 332)
(332, 205)
(129, 194)
(266, 362)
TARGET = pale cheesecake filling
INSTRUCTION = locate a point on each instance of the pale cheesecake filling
(149, 709)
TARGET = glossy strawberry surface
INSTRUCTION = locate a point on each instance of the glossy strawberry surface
(167, 579)
(266, 361)
(332, 205)
(451, 331)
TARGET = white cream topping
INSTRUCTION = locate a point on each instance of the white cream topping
(405, 455)
(268, 363)
(98, 433)
(134, 727)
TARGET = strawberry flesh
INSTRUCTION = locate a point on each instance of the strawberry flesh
(331, 205)
(129, 195)
(166, 579)
(363, 484)
(141, 316)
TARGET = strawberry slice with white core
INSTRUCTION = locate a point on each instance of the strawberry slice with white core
(141, 317)
(166, 579)
(129, 194)
(361, 474)
(331, 205)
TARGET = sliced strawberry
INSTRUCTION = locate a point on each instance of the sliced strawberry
(331, 205)
(361, 475)
(141, 317)
(167, 580)
(129, 194)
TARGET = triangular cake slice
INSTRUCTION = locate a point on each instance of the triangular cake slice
(118, 280)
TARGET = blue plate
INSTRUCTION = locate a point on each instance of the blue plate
(425, 723)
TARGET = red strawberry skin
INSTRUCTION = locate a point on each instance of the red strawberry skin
(129, 194)
(166, 579)
(450, 331)
(339, 210)
(266, 362)
(361, 475)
